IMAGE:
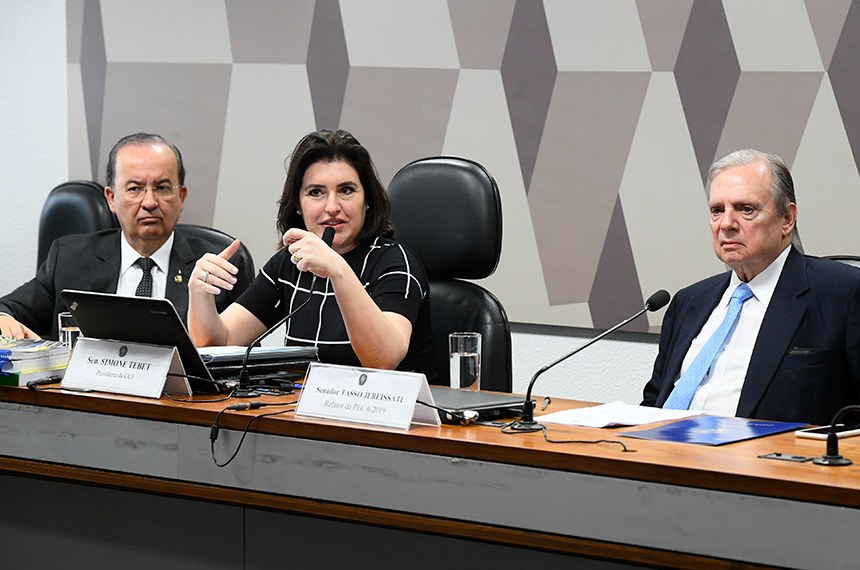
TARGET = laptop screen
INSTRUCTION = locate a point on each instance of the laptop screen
(139, 319)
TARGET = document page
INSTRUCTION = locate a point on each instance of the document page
(615, 414)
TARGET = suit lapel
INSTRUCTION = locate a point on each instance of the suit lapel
(783, 316)
(105, 268)
(700, 307)
(182, 260)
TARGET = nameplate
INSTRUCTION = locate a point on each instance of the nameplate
(365, 395)
(124, 368)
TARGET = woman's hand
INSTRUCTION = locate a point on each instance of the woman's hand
(212, 272)
(210, 275)
(310, 253)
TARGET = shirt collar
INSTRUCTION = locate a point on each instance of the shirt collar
(161, 257)
(763, 284)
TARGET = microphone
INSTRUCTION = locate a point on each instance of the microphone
(831, 457)
(34, 384)
(244, 390)
(527, 422)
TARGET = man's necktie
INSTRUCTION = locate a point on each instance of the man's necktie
(686, 387)
(144, 288)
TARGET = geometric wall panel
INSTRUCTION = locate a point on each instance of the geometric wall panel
(773, 35)
(603, 109)
(597, 36)
(281, 37)
(161, 104)
(827, 17)
(598, 119)
(528, 71)
(707, 71)
(663, 26)
(845, 77)
(399, 133)
(784, 94)
(481, 30)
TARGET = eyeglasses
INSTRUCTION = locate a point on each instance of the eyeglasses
(160, 191)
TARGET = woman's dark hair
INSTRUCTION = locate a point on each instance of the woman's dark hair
(334, 146)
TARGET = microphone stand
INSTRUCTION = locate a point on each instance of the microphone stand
(245, 390)
(527, 422)
(831, 457)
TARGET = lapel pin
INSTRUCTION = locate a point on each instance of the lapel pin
(178, 278)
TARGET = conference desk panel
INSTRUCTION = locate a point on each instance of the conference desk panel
(666, 504)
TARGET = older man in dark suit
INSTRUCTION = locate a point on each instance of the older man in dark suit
(776, 338)
(148, 256)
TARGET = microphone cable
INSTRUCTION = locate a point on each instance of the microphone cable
(216, 426)
(464, 417)
(509, 430)
(34, 385)
(831, 456)
(192, 400)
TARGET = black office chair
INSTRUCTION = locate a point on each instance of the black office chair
(76, 207)
(846, 259)
(449, 212)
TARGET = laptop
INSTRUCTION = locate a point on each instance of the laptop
(488, 405)
(151, 321)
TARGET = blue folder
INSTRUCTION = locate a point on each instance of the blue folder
(713, 430)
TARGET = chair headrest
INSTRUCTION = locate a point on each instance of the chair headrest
(74, 207)
(448, 211)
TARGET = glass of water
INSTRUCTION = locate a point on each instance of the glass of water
(69, 330)
(464, 350)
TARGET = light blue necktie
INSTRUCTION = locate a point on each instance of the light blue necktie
(686, 387)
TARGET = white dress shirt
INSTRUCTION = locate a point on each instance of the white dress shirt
(130, 274)
(720, 391)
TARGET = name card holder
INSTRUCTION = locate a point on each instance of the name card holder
(130, 368)
(366, 395)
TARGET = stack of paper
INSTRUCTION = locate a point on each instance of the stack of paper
(23, 359)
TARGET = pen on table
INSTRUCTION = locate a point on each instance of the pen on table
(546, 402)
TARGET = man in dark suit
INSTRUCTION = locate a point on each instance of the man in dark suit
(793, 354)
(148, 256)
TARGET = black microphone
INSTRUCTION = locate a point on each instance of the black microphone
(831, 457)
(244, 390)
(527, 422)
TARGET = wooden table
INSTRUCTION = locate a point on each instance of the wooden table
(78, 467)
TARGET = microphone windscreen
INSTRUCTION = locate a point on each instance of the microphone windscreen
(328, 238)
(658, 300)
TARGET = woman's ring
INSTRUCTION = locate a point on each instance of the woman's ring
(205, 276)
(296, 258)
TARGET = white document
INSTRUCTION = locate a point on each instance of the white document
(615, 414)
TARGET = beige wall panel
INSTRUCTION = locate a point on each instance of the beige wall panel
(79, 147)
(480, 129)
(826, 182)
(664, 200)
(773, 35)
(263, 125)
(166, 31)
(594, 35)
(392, 33)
